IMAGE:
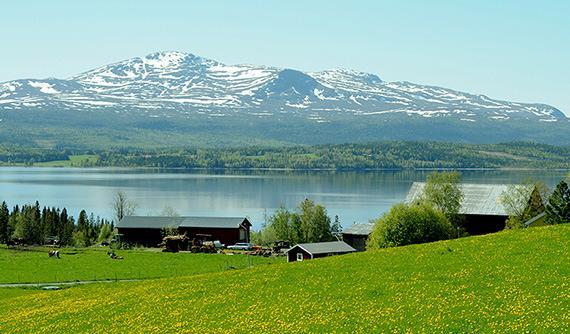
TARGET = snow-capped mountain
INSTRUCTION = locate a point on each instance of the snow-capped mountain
(177, 81)
(177, 98)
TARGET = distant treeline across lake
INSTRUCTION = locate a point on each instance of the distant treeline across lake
(383, 155)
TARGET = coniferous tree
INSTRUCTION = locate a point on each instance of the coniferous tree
(67, 226)
(558, 206)
(336, 227)
(4, 220)
(82, 221)
(26, 225)
(44, 224)
(12, 221)
(56, 227)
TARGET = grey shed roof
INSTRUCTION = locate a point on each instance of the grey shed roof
(160, 222)
(359, 229)
(478, 199)
(326, 247)
(534, 219)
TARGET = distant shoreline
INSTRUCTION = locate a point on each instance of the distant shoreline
(514, 169)
(381, 156)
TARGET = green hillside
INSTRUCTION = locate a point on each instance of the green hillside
(512, 281)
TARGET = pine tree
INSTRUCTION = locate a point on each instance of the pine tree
(336, 227)
(66, 227)
(558, 206)
(82, 221)
(26, 225)
(12, 222)
(4, 218)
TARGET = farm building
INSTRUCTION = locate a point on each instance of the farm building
(482, 208)
(146, 230)
(301, 252)
(357, 234)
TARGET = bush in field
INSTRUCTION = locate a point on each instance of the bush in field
(106, 232)
(409, 224)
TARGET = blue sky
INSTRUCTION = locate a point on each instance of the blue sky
(514, 50)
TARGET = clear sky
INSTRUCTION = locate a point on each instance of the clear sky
(509, 49)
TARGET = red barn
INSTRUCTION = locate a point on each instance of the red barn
(146, 230)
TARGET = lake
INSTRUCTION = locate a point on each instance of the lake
(353, 196)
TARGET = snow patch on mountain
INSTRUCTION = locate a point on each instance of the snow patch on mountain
(44, 87)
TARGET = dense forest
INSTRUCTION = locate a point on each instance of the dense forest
(381, 155)
(31, 224)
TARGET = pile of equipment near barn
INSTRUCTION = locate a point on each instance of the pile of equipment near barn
(279, 248)
(181, 242)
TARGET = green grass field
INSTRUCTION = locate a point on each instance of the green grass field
(74, 161)
(509, 282)
(35, 266)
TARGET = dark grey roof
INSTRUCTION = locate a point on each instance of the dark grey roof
(359, 229)
(160, 222)
(326, 247)
(478, 199)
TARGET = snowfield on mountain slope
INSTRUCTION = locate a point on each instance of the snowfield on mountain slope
(184, 82)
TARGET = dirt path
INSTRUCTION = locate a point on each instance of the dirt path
(56, 284)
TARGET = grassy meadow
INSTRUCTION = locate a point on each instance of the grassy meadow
(34, 265)
(508, 282)
(74, 161)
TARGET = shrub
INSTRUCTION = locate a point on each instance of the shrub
(409, 224)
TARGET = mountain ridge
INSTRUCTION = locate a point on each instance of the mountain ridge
(177, 85)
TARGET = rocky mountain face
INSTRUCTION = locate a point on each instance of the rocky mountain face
(177, 87)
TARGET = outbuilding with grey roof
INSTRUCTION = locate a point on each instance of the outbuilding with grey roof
(357, 234)
(301, 252)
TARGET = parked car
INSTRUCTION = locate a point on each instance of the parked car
(241, 246)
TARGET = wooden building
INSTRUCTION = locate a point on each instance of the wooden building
(301, 252)
(357, 234)
(482, 209)
(147, 230)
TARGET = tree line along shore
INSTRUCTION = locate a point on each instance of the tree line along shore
(381, 155)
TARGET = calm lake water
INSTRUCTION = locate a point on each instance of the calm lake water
(353, 196)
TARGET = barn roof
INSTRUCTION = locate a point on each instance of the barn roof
(359, 229)
(478, 199)
(326, 247)
(158, 222)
